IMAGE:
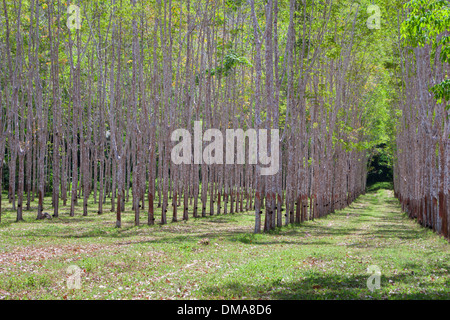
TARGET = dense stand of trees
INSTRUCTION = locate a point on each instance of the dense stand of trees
(422, 170)
(88, 113)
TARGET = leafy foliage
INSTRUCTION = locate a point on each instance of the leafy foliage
(427, 23)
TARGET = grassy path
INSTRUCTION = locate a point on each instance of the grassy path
(218, 258)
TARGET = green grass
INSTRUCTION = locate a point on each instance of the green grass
(218, 257)
(380, 185)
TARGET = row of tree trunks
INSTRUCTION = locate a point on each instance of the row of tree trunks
(421, 173)
(97, 119)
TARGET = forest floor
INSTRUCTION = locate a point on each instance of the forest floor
(218, 257)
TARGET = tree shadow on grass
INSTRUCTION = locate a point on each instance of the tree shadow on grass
(398, 232)
(317, 286)
(297, 235)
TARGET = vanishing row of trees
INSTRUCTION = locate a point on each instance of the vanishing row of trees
(88, 113)
(422, 170)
